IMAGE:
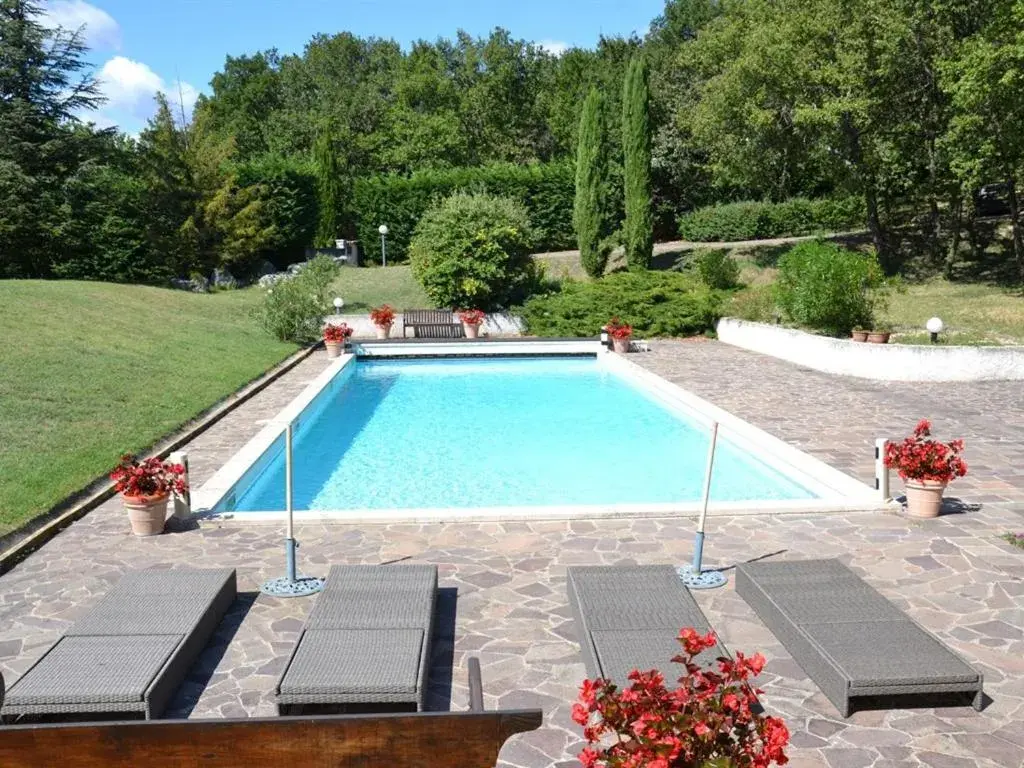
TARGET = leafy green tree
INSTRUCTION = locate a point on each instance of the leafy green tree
(173, 226)
(986, 133)
(636, 136)
(328, 188)
(44, 85)
(592, 215)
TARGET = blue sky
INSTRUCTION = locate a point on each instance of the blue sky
(141, 46)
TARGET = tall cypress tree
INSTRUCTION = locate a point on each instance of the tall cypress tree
(636, 145)
(592, 208)
(328, 188)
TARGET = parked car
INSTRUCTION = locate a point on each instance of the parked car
(992, 200)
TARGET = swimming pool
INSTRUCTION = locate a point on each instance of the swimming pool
(525, 433)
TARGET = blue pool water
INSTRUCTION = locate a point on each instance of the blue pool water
(498, 432)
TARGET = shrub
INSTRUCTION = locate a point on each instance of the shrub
(757, 221)
(755, 303)
(473, 250)
(828, 288)
(546, 190)
(294, 309)
(716, 269)
(653, 303)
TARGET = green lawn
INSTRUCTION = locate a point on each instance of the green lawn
(90, 370)
(372, 286)
(973, 313)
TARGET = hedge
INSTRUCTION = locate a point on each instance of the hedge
(654, 303)
(760, 220)
(547, 191)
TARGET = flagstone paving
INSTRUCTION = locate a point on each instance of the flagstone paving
(503, 584)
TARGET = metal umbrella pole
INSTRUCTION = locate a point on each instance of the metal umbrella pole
(692, 574)
(290, 585)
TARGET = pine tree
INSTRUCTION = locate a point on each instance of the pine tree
(592, 210)
(328, 188)
(43, 87)
(636, 141)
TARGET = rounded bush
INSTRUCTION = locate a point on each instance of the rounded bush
(828, 288)
(716, 269)
(653, 303)
(293, 309)
(473, 250)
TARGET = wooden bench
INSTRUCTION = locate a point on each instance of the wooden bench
(435, 739)
(431, 324)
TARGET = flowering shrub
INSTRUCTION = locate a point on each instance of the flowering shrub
(472, 316)
(919, 457)
(707, 722)
(337, 333)
(149, 477)
(383, 315)
(618, 330)
(1017, 539)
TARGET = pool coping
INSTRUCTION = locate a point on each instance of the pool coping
(838, 492)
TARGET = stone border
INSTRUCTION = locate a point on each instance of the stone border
(39, 530)
(885, 362)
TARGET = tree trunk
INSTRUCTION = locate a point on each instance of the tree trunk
(956, 210)
(1018, 237)
(875, 224)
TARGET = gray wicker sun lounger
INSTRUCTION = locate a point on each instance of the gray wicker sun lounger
(628, 617)
(851, 641)
(366, 641)
(132, 651)
(431, 324)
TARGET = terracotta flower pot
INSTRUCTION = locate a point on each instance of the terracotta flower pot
(859, 335)
(472, 330)
(924, 497)
(334, 348)
(878, 337)
(621, 345)
(384, 331)
(147, 514)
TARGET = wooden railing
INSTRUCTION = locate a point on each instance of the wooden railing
(428, 739)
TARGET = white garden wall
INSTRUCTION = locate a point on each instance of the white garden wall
(889, 362)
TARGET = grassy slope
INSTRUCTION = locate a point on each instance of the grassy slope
(370, 287)
(90, 370)
(973, 313)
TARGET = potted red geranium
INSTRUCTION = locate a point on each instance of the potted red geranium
(709, 721)
(145, 487)
(335, 336)
(472, 319)
(383, 317)
(621, 333)
(927, 466)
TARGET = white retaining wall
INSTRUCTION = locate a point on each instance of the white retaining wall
(889, 362)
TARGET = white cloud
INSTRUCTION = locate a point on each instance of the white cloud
(130, 88)
(101, 30)
(554, 47)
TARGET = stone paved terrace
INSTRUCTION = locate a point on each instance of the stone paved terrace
(951, 574)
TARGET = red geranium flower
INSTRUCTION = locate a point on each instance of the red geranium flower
(708, 717)
(149, 477)
(382, 315)
(337, 333)
(472, 316)
(920, 457)
(618, 330)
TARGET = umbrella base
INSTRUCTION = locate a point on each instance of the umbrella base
(702, 579)
(303, 586)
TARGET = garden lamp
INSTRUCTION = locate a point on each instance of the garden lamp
(692, 574)
(935, 326)
(338, 304)
(383, 229)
